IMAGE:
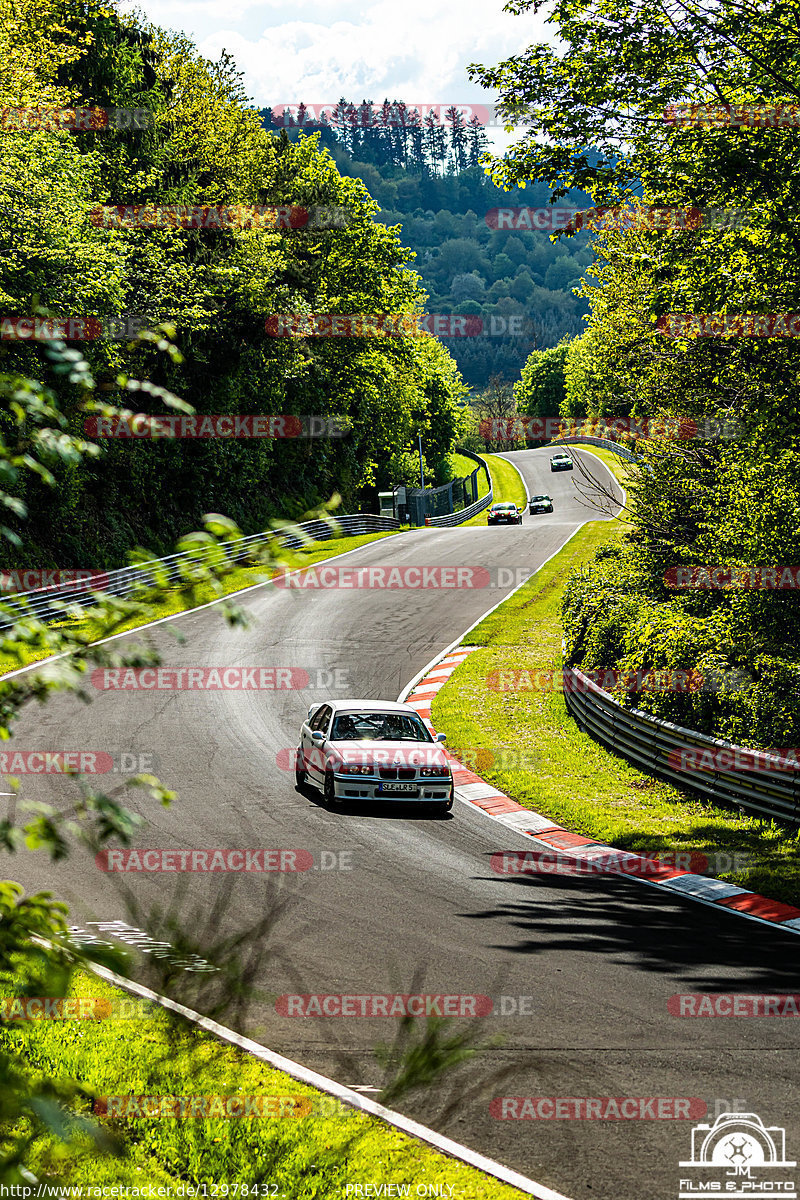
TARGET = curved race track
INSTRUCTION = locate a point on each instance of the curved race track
(598, 959)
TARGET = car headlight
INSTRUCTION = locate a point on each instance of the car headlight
(355, 769)
(439, 772)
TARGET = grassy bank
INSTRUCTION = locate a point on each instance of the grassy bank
(463, 468)
(575, 780)
(311, 1156)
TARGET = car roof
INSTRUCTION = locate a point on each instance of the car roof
(389, 706)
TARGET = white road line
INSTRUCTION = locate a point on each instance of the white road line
(347, 1095)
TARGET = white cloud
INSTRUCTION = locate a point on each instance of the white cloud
(414, 50)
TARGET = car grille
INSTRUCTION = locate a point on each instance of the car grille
(397, 773)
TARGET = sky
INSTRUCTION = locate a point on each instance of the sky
(412, 50)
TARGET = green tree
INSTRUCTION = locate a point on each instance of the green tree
(540, 391)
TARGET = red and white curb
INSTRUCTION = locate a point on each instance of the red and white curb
(550, 837)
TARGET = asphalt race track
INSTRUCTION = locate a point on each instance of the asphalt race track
(420, 909)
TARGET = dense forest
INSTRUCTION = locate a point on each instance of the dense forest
(427, 180)
(204, 293)
(694, 502)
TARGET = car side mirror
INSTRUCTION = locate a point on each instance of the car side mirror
(441, 737)
(318, 736)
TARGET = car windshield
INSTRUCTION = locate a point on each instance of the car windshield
(538, 499)
(379, 727)
(505, 508)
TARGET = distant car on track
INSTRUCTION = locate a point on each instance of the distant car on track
(561, 462)
(539, 504)
(373, 750)
(504, 514)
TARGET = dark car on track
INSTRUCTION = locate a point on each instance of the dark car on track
(561, 462)
(539, 504)
(504, 514)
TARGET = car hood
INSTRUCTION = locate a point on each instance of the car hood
(391, 754)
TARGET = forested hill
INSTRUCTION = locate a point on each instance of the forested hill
(428, 182)
(202, 145)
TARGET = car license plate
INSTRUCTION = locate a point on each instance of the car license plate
(398, 787)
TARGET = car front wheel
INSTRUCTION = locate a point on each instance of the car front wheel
(300, 776)
(329, 788)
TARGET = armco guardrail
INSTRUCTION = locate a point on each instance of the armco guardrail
(47, 603)
(473, 509)
(593, 441)
(648, 743)
(460, 517)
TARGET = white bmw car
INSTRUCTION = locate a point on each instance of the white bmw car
(373, 750)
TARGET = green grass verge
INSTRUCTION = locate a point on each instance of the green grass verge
(173, 602)
(306, 1158)
(575, 780)
(506, 483)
